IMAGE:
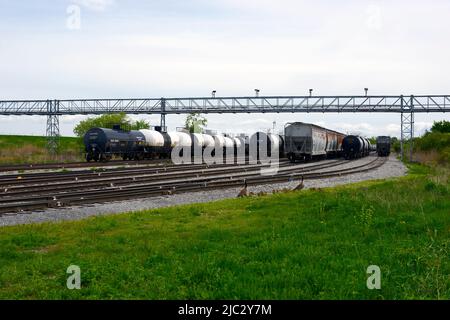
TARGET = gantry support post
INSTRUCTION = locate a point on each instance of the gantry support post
(52, 126)
(163, 114)
(407, 127)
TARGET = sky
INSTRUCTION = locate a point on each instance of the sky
(64, 49)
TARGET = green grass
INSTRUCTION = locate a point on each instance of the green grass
(33, 149)
(298, 245)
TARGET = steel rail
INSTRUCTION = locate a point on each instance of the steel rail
(53, 178)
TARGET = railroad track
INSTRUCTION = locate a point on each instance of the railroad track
(75, 165)
(7, 181)
(69, 194)
(96, 182)
(68, 165)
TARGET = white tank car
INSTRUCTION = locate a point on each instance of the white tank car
(237, 142)
(208, 140)
(184, 139)
(219, 141)
(198, 140)
(272, 141)
(174, 139)
(152, 138)
(228, 142)
(275, 141)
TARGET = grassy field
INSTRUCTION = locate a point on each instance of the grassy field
(314, 244)
(32, 149)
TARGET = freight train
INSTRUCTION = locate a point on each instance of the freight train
(301, 141)
(103, 144)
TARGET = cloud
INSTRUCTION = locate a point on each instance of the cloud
(393, 129)
(420, 127)
(282, 47)
(95, 5)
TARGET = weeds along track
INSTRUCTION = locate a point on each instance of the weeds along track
(32, 195)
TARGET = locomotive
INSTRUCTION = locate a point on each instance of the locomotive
(383, 146)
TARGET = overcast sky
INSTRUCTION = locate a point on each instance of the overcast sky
(137, 48)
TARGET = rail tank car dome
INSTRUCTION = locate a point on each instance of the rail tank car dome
(153, 138)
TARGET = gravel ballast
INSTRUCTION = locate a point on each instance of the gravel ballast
(392, 168)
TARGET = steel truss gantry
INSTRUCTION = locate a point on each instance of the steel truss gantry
(52, 126)
(407, 128)
(407, 106)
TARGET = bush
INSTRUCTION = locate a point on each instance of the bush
(435, 142)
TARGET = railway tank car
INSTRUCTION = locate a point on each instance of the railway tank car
(102, 144)
(274, 144)
(157, 144)
(383, 147)
(355, 147)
